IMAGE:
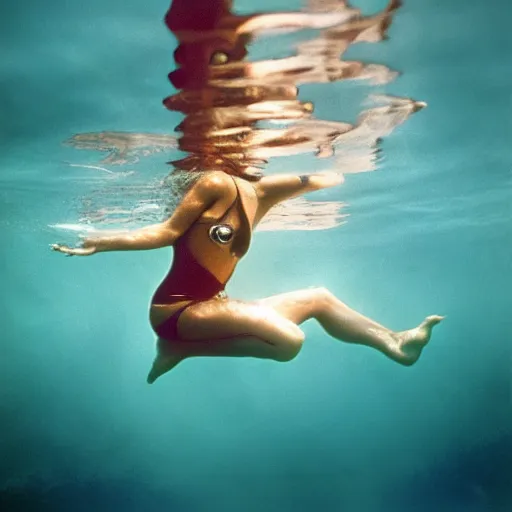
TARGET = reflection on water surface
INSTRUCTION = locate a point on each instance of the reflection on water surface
(239, 113)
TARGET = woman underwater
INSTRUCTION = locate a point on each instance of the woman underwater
(211, 228)
(210, 231)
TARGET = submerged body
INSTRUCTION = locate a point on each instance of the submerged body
(211, 228)
(205, 257)
(211, 231)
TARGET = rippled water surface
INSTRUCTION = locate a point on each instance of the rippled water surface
(339, 428)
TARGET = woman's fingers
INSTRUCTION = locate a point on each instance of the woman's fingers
(335, 178)
(64, 249)
(73, 251)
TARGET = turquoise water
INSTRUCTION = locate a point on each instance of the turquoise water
(338, 429)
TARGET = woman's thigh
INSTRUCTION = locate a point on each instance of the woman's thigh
(227, 318)
(299, 305)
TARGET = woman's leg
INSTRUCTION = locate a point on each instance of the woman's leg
(230, 328)
(268, 329)
(343, 323)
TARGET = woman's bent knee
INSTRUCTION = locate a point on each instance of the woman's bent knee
(287, 351)
(283, 356)
(323, 300)
(296, 335)
(323, 294)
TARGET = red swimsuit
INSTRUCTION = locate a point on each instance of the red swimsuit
(192, 280)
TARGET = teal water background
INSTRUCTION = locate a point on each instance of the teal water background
(340, 428)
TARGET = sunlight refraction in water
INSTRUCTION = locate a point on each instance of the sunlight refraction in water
(241, 112)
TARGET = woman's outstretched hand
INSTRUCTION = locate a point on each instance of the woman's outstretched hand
(327, 179)
(86, 249)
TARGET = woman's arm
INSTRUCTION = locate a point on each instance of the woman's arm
(200, 198)
(149, 237)
(272, 190)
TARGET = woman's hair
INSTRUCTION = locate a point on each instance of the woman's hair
(239, 166)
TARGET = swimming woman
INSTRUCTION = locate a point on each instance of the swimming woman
(211, 228)
(210, 232)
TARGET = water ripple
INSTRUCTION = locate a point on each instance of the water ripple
(239, 113)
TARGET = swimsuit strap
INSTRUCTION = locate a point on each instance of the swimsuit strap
(233, 204)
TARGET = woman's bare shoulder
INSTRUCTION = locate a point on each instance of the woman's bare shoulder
(215, 183)
(217, 180)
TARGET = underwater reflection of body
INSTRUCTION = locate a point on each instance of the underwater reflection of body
(210, 232)
(225, 96)
(211, 228)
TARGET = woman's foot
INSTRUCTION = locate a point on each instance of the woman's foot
(167, 357)
(412, 342)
